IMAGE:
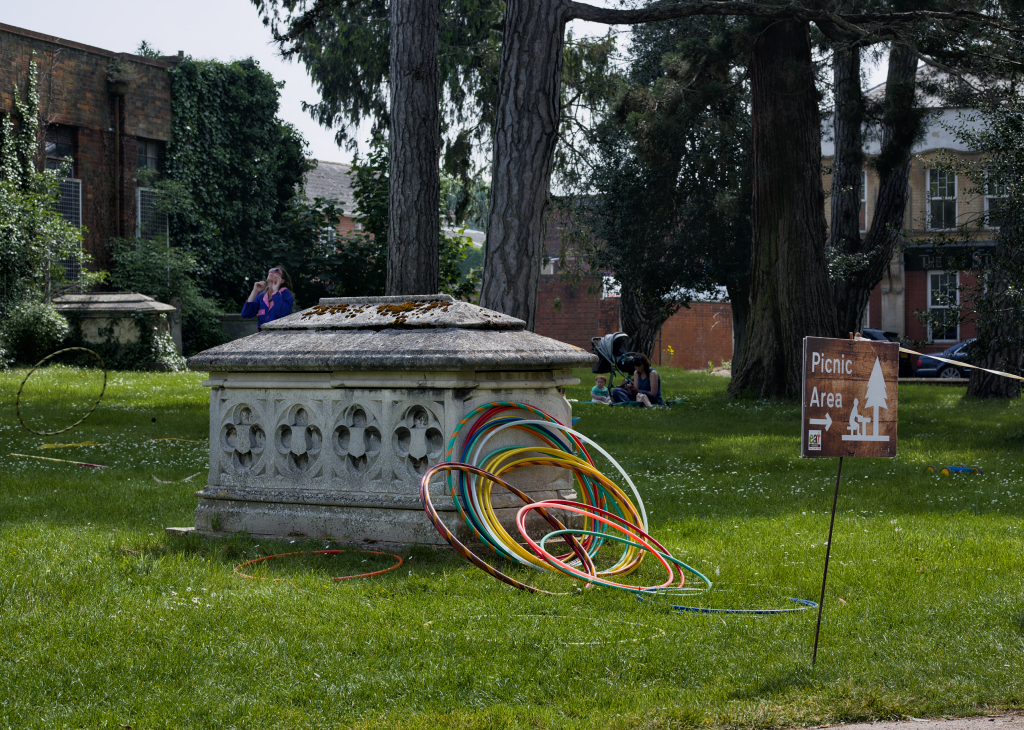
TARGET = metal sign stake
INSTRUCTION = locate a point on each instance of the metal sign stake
(828, 552)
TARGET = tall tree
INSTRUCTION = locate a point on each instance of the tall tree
(790, 296)
(413, 226)
(526, 126)
(860, 263)
(670, 209)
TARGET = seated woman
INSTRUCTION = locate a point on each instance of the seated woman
(646, 385)
(270, 299)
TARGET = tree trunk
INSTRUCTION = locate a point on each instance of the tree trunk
(739, 297)
(790, 295)
(415, 132)
(901, 125)
(640, 321)
(999, 332)
(525, 134)
(848, 161)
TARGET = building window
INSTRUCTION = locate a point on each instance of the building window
(60, 144)
(943, 309)
(548, 267)
(863, 201)
(150, 220)
(148, 156)
(941, 199)
(995, 194)
(328, 235)
(69, 205)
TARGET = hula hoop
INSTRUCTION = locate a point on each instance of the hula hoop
(17, 400)
(803, 605)
(633, 531)
(396, 566)
(468, 554)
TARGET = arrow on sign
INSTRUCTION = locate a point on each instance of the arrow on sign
(826, 421)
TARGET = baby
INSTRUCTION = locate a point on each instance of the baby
(599, 393)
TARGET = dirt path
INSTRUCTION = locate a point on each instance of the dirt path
(1013, 721)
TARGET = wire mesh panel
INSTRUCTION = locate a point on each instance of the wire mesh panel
(70, 207)
(150, 221)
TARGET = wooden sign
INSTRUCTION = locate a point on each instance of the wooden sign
(849, 397)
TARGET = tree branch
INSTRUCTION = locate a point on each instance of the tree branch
(847, 21)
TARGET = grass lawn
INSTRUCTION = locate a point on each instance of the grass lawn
(106, 622)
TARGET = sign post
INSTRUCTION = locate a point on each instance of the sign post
(851, 386)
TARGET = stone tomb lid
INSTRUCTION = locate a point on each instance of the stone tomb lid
(107, 303)
(428, 332)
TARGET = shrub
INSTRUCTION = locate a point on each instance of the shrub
(33, 330)
(163, 272)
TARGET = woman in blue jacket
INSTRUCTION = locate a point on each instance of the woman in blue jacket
(270, 299)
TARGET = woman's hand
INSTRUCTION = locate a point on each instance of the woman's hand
(257, 288)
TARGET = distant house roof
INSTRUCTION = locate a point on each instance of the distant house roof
(940, 124)
(331, 181)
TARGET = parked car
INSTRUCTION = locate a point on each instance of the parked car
(929, 367)
(906, 366)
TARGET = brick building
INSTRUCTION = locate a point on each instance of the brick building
(333, 181)
(940, 200)
(111, 129)
(574, 313)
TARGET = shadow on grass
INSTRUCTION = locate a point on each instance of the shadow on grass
(779, 683)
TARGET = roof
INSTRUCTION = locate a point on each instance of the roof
(332, 181)
(419, 333)
(108, 303)
(940, 124)
(162, 62)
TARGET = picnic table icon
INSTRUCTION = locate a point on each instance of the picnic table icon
(875, 398)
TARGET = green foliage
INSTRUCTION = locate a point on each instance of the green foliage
(323, 264)
(466, 200)
(34, 238)
(453, 279)
(232, 171)
(345, 48)
(167, 272)
(32, 330)
(147, 50)
(671, 210)
(151, 349)
(371, 194)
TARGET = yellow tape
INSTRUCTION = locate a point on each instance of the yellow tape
(961, 364)
(68, 446)
(60, 461)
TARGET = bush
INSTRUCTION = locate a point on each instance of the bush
(164, 272)
(33, 330)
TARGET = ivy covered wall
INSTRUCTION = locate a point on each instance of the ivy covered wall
(231, 168)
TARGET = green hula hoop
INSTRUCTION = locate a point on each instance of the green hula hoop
(17, 401)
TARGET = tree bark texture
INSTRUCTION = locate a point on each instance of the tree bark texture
(999, 332)
(415, 141)
(790, 295)
(901, 123)
(848, 161)
(640, 321)
(739, 297)
(525, 134)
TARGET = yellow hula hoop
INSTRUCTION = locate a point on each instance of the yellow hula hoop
(505, 462)
(17, 401)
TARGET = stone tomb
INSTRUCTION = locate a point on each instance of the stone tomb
(322, 424)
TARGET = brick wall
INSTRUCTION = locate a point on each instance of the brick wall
(574, 314)
(696, 335)
(73, 92)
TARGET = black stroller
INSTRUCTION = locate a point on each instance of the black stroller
(613, 354)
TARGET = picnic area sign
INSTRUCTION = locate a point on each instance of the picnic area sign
(849, 397)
